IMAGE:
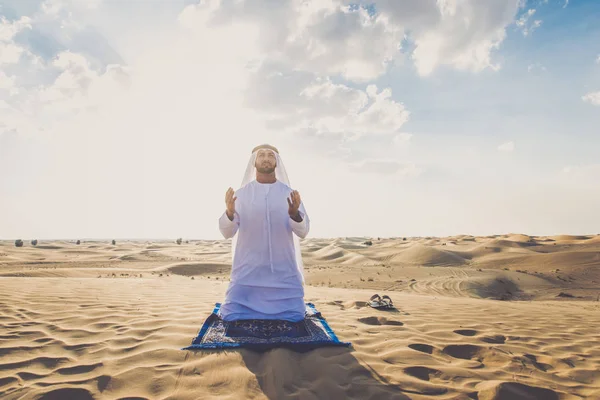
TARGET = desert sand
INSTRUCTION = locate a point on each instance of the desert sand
(498, 317)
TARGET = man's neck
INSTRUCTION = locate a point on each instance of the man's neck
(265, 178)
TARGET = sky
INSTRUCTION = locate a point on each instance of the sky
(131, 119)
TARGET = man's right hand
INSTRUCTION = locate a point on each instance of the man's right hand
(230, 203)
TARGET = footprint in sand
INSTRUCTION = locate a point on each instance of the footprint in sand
(379, 321)
(67, 393)
(348, 304)
(539, 365)
(463, 351)
(495, 339)
(485, 355)
(466, 332)
(545, 363)
(423, 348)
(513, 390)
(423, 373)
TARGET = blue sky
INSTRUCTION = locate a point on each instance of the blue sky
(131, 119)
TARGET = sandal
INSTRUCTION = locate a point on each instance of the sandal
(375, 301)
(387, 301)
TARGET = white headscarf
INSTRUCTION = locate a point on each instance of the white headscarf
(280, 175)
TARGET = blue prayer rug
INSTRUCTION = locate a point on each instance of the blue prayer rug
(264, 334)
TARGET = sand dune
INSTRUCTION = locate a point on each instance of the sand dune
(420, 254)
(498, 317)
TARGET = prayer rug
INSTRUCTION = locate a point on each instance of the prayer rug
(266, 334)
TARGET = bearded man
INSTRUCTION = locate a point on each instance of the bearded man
(265, 219)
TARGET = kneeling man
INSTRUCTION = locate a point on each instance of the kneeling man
(265, 218)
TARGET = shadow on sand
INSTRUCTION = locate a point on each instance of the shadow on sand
(324, 373)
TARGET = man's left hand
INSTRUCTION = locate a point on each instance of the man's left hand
(294, 204)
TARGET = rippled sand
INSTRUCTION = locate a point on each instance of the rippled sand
(502, 317)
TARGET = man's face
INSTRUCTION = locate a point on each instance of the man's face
(265, 161)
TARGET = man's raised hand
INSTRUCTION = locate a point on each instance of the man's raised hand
(230, 203)
(293, 203)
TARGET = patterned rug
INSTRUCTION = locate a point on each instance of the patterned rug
(265, 334)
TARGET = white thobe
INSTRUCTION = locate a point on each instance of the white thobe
(265, 281)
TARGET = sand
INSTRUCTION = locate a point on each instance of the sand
(499, 317)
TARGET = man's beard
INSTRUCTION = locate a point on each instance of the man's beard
(265, 170)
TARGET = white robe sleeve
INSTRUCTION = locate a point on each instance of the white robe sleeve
(299, 228)
(227, 227)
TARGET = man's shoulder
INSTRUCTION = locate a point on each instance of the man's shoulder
(244, 188)
(284, 186)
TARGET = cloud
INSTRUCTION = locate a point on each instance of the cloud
(507, 147)
(598, 59)
(308, 55)
(10, 52)
(592, 98)
(536, 67)
(295, 100)
(6, 82)
(297, 51)
(461, 35)
(583, 173)
(402, 139)
(523, 22)
(566, 4)
(359, 40)
(386, 167)
(322, 37)
(52, 68)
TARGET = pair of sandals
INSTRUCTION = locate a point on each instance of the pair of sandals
(380, 302)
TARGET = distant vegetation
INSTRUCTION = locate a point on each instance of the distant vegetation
(34, 242)
(19, 243)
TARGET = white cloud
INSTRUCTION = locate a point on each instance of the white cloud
(458, 34)
(6, 82)
(386, 167)
(528, 28)
(598, 59)
(8, 29)
(507, 147)
(402, 139)
(55, 7)
(566, 4)
(10, 52)
(592, 98)
(341, 38)
(322, 37)
(584, 173)
(535, 67)
(300, 101)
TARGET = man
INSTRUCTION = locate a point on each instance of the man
(267, 274)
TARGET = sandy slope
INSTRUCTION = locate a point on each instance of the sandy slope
(102, 321)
